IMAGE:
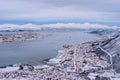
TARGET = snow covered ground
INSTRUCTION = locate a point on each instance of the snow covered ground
(58, 58)
(9, 69)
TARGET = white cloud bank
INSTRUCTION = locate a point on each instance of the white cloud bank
(55, 26)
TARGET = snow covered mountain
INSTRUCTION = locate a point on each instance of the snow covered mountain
(57, 26)
(110, 49)
(14, 27)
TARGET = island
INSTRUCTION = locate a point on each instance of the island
(20, 36)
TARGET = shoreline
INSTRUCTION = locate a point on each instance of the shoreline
(76, 62)
(48, 61)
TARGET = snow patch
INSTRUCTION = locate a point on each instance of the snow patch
(54, 60)
(41, 66)
(9, 69)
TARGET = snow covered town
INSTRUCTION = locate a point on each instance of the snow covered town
(87, 61)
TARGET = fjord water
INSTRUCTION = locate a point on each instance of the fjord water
(34, 51)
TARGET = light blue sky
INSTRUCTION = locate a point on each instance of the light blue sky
(64, 11)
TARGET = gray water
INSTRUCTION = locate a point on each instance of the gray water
(33, 52)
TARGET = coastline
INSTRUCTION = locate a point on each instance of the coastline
(65, 66)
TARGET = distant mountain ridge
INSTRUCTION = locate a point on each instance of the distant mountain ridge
(57, 26)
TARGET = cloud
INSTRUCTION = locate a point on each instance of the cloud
(43, 10)
(55, 26)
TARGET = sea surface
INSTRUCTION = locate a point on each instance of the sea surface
(34, 51)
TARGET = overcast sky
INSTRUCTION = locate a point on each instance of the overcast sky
(28, 11)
